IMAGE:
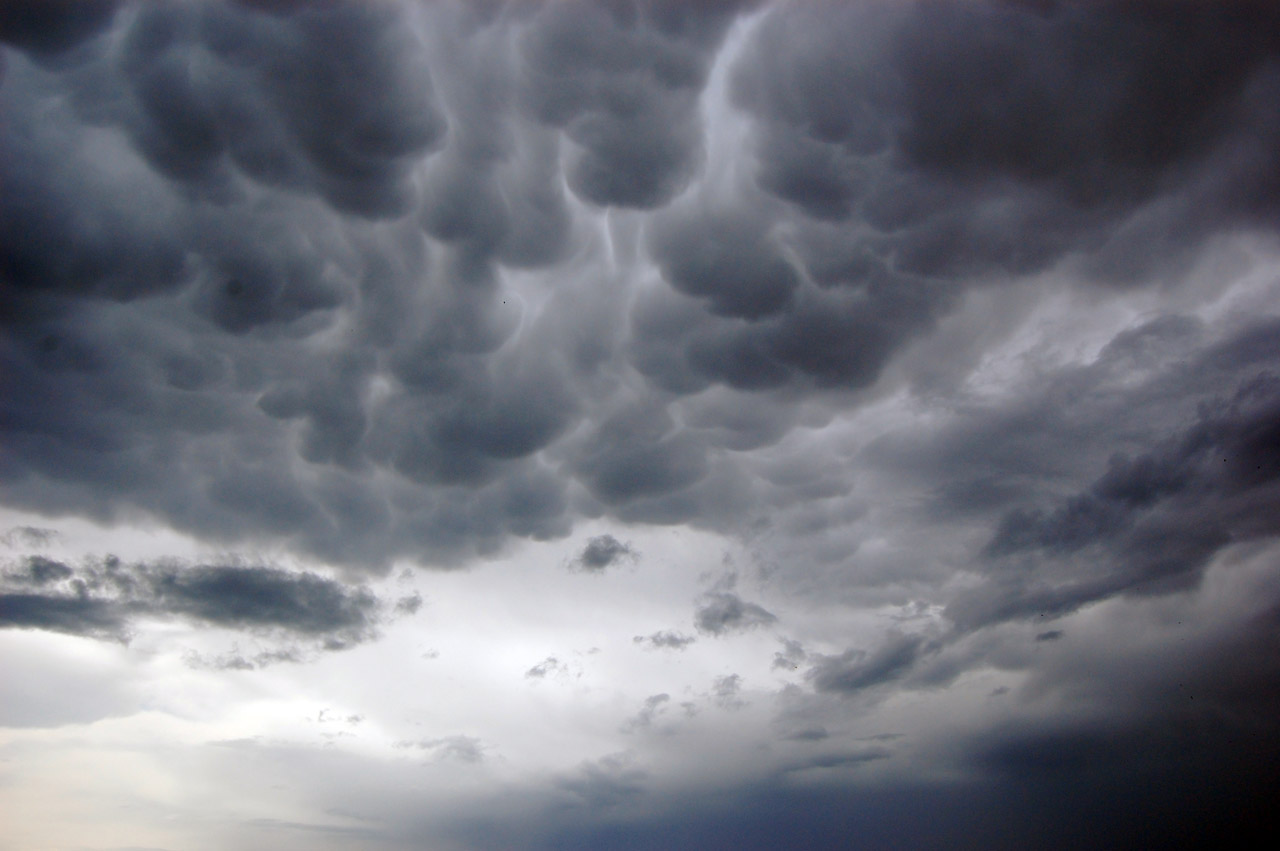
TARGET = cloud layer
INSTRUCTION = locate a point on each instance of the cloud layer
(102, 598)
(955, 326)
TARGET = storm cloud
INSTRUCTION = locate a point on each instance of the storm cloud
(928, 352)
(317, 302)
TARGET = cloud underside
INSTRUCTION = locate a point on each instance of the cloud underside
(380, 319)
(963, 311)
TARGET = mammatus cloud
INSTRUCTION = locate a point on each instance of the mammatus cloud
(383, 318)
(957, 320)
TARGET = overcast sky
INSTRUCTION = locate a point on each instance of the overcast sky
(638, 425)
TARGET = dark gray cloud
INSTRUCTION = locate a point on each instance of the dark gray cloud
(839, 760)
(790, 656)
(102, 598)
(75, 615)
(729, 260)
(723, 612)
(601, 552)
(622, 81)
(32, 537)
(318, 300)
(370, 282)
(46, 27)
(1151, 522)
(38, 570)
(960, 150)
(1014, 134)
(856, 670)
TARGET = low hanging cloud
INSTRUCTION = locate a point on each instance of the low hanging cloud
(857, 670)
(610, 781)
(1150, 524)
(723, 612)
(601, 552)
(105, 598)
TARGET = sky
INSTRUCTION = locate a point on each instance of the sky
(638, 424)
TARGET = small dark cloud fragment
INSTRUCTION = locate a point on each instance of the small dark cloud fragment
(790, 657)
(38, 570)
(35, 537)
(1050, 635)
(725, 691)
(464, 749)
(724, 612)
(255, 597)
(545, 668)
(102, 598)
(808, 734)
(234, 660)
(643, 720)
(606, 782)
(666, 639)
(839, 759)
(409, 605)
(601, 552)
(855, 671)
